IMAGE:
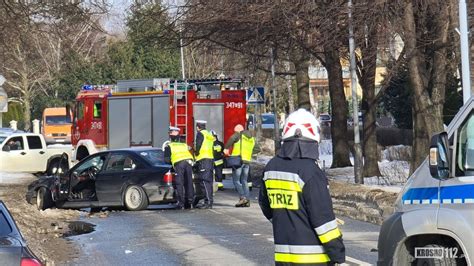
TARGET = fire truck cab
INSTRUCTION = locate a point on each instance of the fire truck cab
(139, 112)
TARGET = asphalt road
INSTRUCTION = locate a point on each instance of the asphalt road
(223, 235)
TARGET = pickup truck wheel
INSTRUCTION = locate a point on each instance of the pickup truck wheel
(43, 199)
(52, 167)
(135, 198)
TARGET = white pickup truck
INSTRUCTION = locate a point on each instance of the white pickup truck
(27, 152)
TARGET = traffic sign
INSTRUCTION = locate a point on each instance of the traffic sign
(256, 95)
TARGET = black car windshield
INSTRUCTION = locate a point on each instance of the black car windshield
(5, 228)
(154, 157)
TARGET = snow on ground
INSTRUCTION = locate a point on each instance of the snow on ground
(15, 178)
(394, 172)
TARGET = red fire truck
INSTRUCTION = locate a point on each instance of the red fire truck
(139, 112)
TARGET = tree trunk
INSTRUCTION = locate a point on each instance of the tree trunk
(420, 138)
(369, 103)
(340, 146)
(289, 87)
(301, 61)
(428, 117)
(27, 112)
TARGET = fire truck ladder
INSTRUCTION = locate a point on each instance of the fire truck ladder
(180, 100)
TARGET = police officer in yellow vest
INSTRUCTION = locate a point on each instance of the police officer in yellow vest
(218, 160)
(242, 143)
(177, 153)
(204, 155)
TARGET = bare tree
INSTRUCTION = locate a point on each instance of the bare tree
(38, 36)
(426, 29)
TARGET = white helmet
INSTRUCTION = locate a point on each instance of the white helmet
(301, 123)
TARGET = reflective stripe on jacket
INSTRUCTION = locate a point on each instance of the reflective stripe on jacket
(296, 199)
(247, 148)
(179, 152)
(207, 147)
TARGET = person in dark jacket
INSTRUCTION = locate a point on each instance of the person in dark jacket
(177, 153)
(218, 160)
(204, 155)
(295, 198)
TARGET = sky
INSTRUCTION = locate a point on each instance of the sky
(115, 22)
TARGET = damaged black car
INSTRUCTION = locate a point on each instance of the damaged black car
(130, 178)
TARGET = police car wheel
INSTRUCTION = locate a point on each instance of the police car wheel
(135, 198)
(445, 261)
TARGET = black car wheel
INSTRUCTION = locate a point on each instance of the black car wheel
(135, 198)
(43, 199)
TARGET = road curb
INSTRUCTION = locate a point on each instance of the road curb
(355, 201)
(361, 203)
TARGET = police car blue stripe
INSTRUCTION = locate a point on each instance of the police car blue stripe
(458, 194)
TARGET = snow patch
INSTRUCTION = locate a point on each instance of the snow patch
(15, 178)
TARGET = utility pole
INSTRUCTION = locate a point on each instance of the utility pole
(466, 77)
(276, 128)
(359, 179)
(183, 76)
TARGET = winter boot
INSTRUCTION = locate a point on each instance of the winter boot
(240, 203)
(246, 203)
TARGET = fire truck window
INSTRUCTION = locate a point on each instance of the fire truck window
(80, 110)
(97, 110)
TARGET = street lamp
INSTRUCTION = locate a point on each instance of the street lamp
(358, 178)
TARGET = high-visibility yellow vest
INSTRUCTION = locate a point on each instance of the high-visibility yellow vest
(247, 148)
(179, 152)
(206, 151)
(218, 148)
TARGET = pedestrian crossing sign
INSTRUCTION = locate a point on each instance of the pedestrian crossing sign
(256, 95)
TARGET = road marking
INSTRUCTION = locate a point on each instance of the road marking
(353, 261)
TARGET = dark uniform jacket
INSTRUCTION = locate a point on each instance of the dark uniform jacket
(218, 150)
(295, 198)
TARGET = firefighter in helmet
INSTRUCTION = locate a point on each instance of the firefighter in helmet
(295, 198)
(218, 160)
(177, 153)
(204, 155)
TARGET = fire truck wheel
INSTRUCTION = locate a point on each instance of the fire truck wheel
(135, 198)
(43, 199)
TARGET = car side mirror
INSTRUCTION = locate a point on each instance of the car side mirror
(439, 162)
(6, 148)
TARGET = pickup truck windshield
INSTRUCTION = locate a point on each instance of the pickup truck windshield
(58, 119)
(2, 138)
